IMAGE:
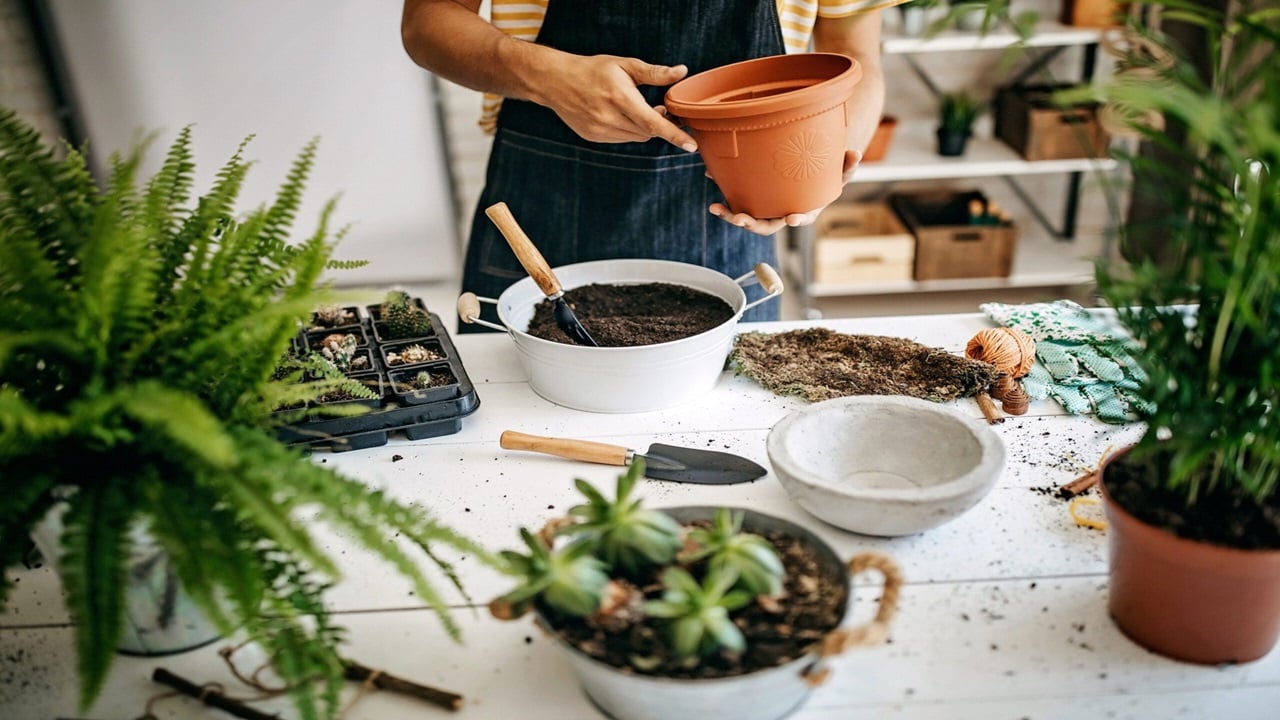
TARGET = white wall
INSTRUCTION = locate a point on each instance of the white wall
(284, 71)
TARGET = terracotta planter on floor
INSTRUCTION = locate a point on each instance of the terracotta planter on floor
(772, 130)
(1189, 600)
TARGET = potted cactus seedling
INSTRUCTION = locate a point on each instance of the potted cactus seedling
(689, 612)
(400, 316)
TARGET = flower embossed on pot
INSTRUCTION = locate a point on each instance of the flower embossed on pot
(803, 155)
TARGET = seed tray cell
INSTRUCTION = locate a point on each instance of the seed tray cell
(418, 414)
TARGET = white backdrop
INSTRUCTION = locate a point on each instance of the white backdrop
(284, 71)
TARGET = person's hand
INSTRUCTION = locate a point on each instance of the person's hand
(598, 98)
(1080, 361)
(769, 226)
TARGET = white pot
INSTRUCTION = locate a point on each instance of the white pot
(626, 379)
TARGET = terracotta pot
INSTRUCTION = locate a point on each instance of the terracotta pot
(1189, 600)
(772, 130)
(1091, 13)
(879, 144)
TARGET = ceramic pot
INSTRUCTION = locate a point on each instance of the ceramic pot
(951, 144)
(159, 617)
(766, 694)
(879, 144)
(1189, 600)
(772, 130)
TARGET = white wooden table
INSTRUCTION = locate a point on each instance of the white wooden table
(1003, 614)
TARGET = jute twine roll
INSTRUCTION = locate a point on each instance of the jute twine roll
(1013, 352)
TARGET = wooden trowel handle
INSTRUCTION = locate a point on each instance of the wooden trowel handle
(585, 450)
(526, 252)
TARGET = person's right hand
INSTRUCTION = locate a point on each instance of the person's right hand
(597, 97)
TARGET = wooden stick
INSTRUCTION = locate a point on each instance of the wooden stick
(208, 696)
(1079, 485)
(988, 407)
(355, 671)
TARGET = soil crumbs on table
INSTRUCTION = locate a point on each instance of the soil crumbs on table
(776, 632)
(619, 315)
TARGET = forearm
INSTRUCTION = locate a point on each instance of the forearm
(450, 39)
(858, 37)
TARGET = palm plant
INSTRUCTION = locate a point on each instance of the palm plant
(1213, 434)
(144, 330)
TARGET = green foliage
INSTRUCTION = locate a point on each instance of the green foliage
(630, 538)
(957, 111)
(748, 557)
(1215, 373)
(403, 317)
(698, 614)
(568, 578)
(139, 364)
(692, 593)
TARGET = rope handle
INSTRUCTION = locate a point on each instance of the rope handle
(875, 632)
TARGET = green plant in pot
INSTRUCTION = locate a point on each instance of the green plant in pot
(690, 612)
(145, 347)
(957, 112)
(1194, 506)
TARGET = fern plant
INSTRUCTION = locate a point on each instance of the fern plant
(144, 328)
(1213, 433)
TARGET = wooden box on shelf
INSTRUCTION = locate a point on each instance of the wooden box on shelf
(861, 243)
(1030, 123)
(954, 236)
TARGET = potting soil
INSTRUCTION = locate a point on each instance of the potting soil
(628, 315)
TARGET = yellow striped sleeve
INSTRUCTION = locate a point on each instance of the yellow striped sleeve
(846, 8)
(521, 19)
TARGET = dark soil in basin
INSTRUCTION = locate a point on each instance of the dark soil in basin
(630, 315)
(812, 605)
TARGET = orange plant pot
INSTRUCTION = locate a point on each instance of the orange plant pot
(1188, 600)
(879, 145)
(772, 130)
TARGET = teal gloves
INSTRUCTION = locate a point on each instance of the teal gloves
(1081, 361)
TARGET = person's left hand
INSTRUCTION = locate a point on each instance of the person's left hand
(769, 226)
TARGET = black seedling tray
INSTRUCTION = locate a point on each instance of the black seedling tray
(418, 414)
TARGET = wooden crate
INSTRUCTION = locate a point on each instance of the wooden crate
(861, 243)
(948, 244)
(1038, 130)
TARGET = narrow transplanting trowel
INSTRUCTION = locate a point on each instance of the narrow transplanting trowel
(661, 462)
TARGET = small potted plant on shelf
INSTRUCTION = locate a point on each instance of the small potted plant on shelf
(140, 365)
(1194, 506)
(957, 112)
(691, 612)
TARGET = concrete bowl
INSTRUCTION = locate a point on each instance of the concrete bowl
(884, 465)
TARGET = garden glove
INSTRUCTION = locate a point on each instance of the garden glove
(1081, 361)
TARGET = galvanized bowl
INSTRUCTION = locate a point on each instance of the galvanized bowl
(627, 379)
(766, 694)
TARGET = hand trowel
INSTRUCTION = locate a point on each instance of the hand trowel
(661, 462)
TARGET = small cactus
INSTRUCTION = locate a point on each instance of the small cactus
(403, 317)
(338, 349)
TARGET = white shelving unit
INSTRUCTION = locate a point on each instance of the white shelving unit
(1044, 258)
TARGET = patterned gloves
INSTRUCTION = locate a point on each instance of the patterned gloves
(1082, 362)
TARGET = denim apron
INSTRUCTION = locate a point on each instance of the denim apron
(579, 200)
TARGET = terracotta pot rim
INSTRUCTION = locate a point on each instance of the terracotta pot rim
(1111, 506)
(687, 98)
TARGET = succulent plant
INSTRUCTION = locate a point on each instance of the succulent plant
(630, 538)
(403, 317)
(338, 349)
(698, 615)
(725, 546)
(568, 578)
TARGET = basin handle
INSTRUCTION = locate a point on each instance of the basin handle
(767, 278)
(469, 310)
(873, 633)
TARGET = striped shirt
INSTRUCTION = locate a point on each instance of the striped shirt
(522, 19)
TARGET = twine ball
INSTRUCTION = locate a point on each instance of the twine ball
(1013, 352)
